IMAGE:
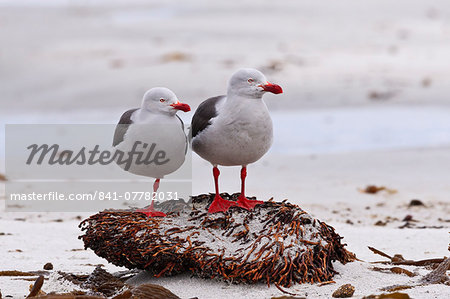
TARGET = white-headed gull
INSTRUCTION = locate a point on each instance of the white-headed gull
(154, 126)
(234, 130)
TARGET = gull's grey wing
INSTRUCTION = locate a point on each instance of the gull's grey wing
(203, 115)
(122, 126)
(182, 127)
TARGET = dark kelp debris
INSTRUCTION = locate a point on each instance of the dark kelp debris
(16, 273)
(439, 275)
(100, 282)
(288, 297)
(152, 291)
(396, 270)
(395, 288)
(326, 283)
(410, 222)
(36, 287)
(373, 189)
(395, 295)
(381, 95)
(277, 243)
(99, 285)
(398, 259)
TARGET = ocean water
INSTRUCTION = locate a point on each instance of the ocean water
(360, 129)
(306, 132)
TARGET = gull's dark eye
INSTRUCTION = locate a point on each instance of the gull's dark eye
(250, 80)
(162, 100)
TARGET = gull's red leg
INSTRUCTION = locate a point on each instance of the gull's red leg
(242, 201)
(150, 211)
(156, 186)
(219, 204)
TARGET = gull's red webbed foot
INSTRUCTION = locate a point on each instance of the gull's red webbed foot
(220, 205)
(151, 212)
(246, 203)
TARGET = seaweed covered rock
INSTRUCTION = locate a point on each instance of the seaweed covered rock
(277, 242)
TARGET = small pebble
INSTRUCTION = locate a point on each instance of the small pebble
(344, 291)
(380, 223)
(48, 266)
(416, 202)
(372, 189)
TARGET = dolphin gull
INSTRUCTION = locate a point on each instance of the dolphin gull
(234, 130)
(154, 124)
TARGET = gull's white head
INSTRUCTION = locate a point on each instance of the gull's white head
(251, 83)
(162, 100)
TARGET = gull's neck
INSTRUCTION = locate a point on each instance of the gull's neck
(235, 101)
(233, 93)
(143, 115)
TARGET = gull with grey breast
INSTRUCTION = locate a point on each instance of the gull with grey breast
(154, 124)
(234, 130)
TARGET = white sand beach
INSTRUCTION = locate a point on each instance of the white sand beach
(323, 188)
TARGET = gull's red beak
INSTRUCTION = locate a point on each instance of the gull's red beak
(181, 106)
(273, 88)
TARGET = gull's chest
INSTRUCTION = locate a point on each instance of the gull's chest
(239, 135)
(155, 135)
(247, 127)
